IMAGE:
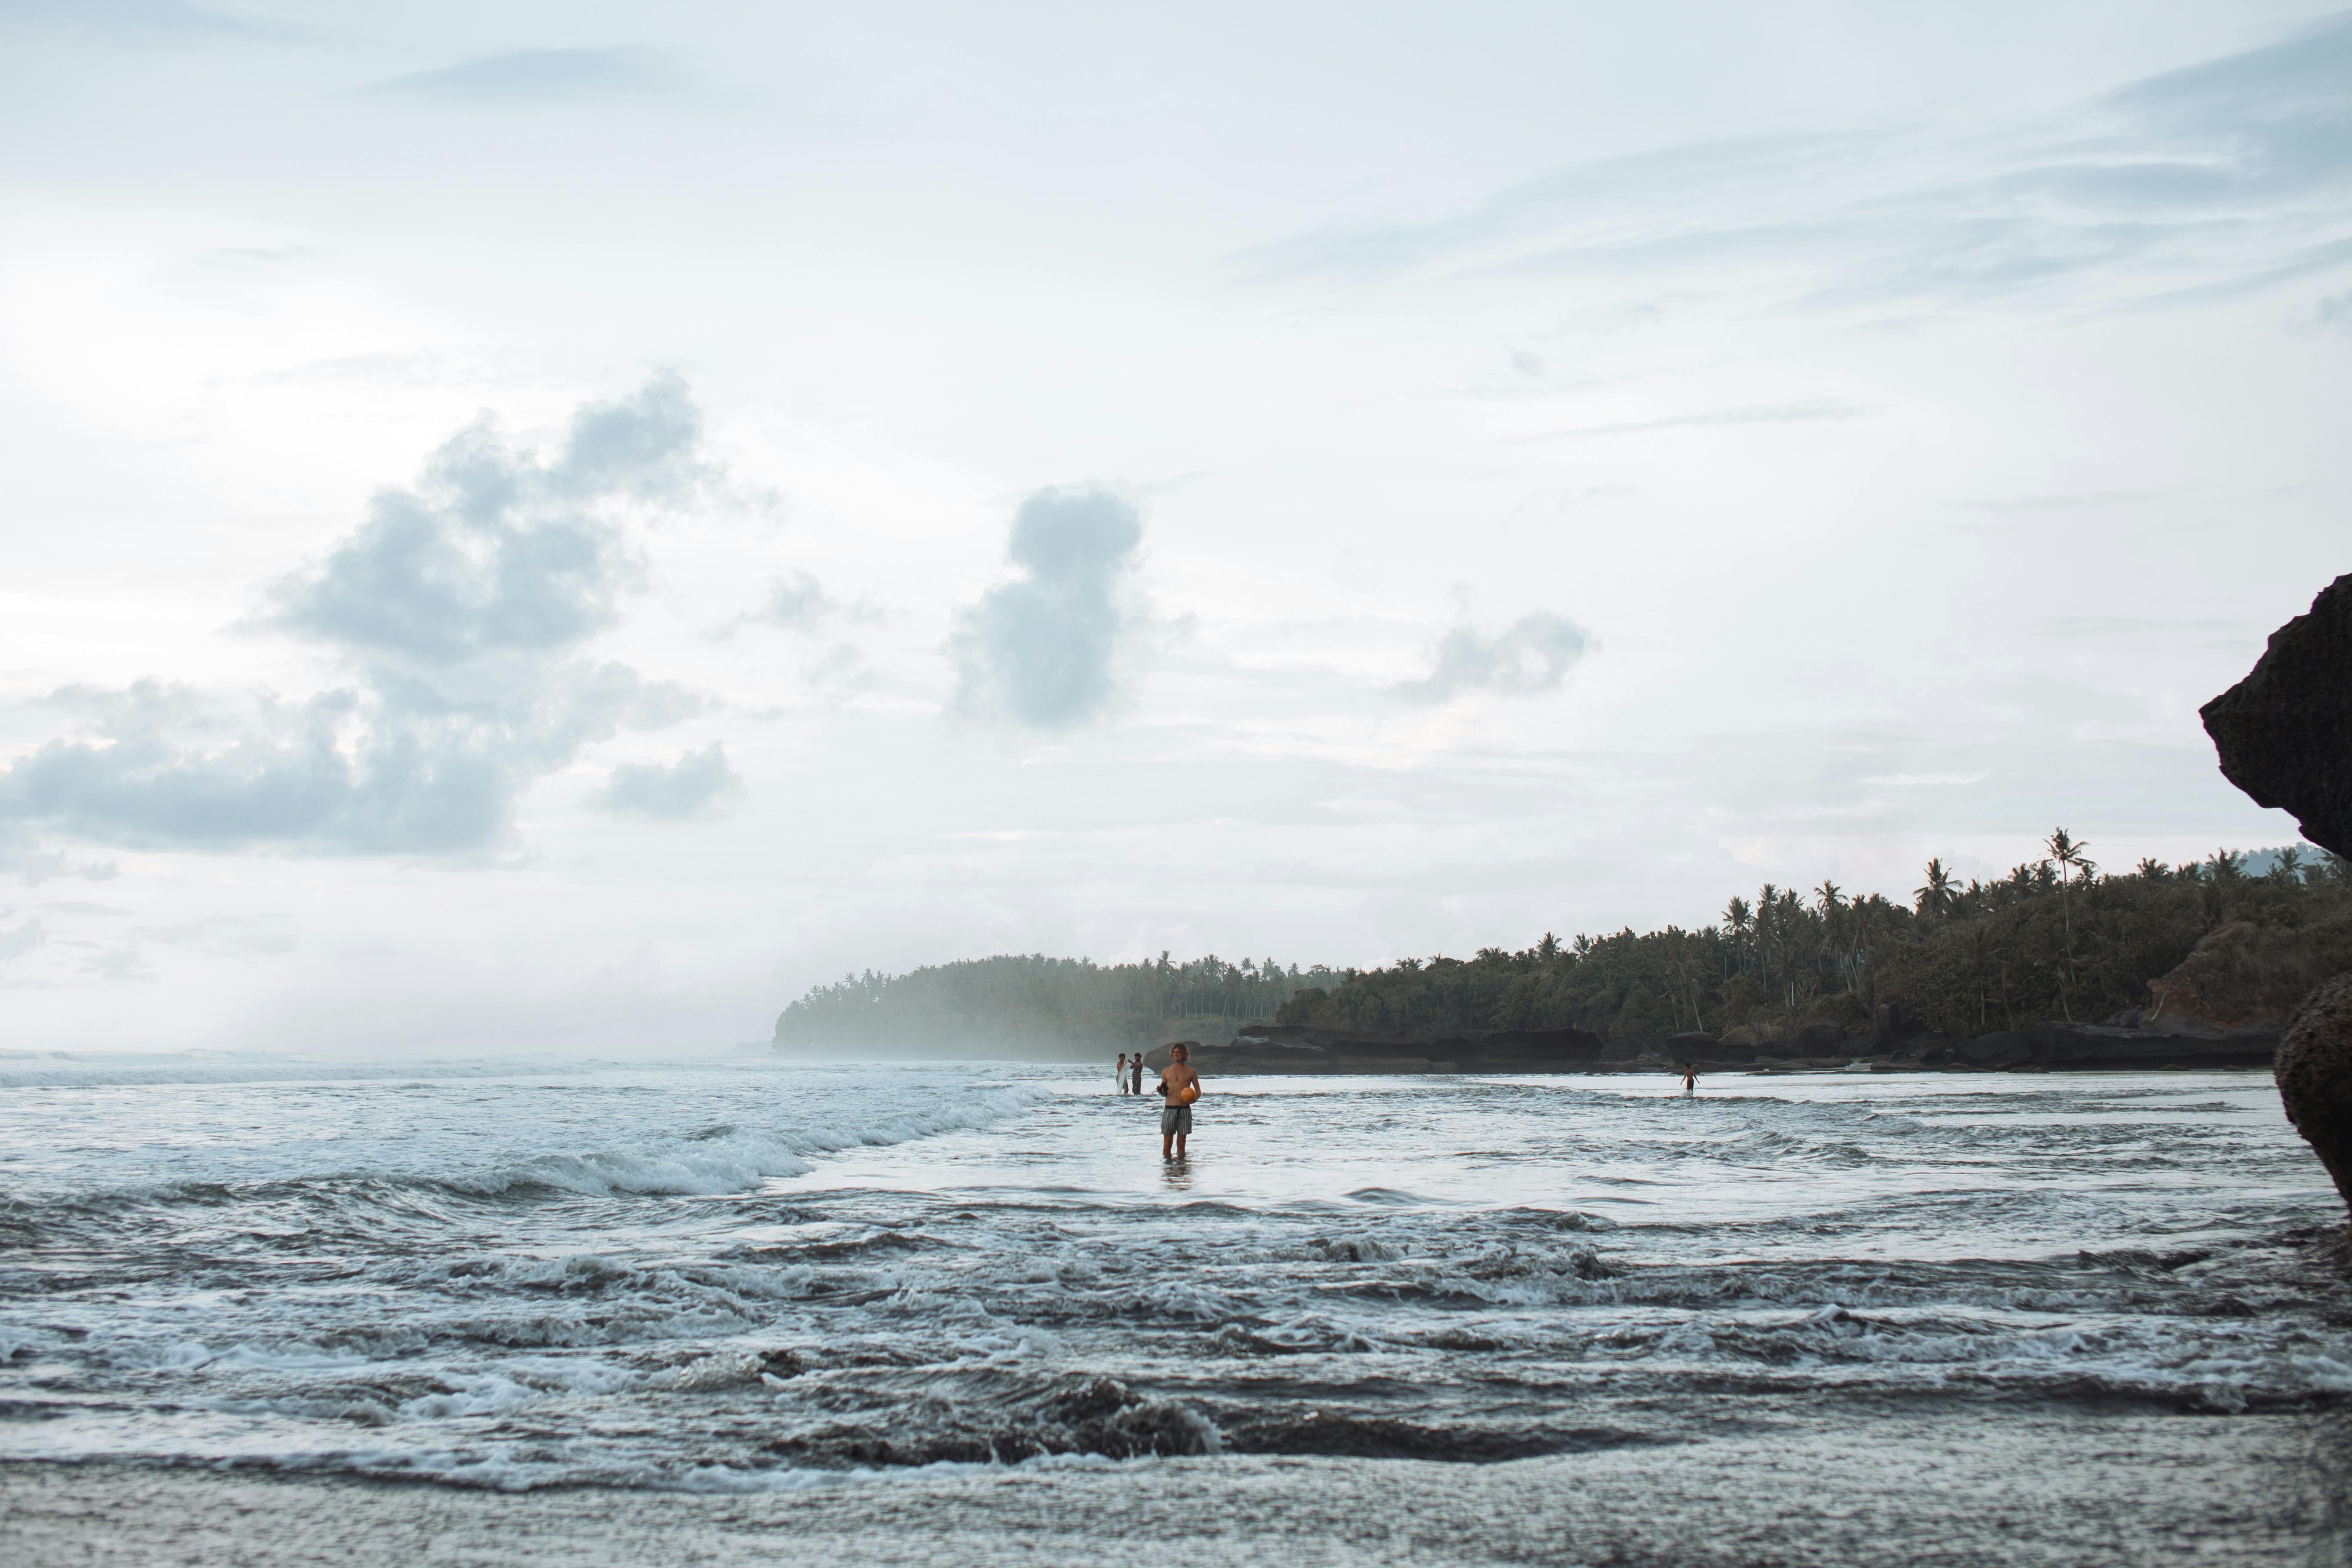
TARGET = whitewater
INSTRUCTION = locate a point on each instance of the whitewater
(745, 1276)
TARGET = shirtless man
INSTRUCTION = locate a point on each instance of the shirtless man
(1176, 1113)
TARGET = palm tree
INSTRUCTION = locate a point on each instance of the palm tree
(1939, 897)
(1738, 918)
(2068, 854)
(2069, 860)
(2288, 866)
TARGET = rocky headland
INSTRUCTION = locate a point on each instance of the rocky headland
(1895, 1043)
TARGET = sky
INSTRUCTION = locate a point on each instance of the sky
(560, 527)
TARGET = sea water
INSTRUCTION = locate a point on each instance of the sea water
(725, 1275)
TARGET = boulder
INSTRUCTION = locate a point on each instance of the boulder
(1292, 1048)
(1891, 1030)
(1820, 1039)
(1260, 1056)
(2000, 1049)
(1528, 1050)
(2285, 732)
(1919, 1051)
(2314, 1077)
(1699, 1046)
(2061, 1045)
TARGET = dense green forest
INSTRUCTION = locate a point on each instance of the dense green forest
(1032, 1001)
(2056, 938)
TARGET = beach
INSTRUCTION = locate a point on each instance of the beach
(715, 1311)
(1919, 1487)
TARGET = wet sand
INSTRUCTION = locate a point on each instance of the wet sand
(1949, 1486)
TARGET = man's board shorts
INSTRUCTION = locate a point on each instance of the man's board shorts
(1176, 1119)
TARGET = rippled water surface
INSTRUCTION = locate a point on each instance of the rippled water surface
(746, 1275)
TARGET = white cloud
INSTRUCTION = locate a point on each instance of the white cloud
(462, 602)
(1531, 656)
(697, 786)
(1040, 650)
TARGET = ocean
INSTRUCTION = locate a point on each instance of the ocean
(741, 1276)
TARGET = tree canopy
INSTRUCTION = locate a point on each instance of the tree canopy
(2052, 939)
(2056, 938)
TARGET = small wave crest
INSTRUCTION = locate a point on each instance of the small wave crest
(708, 1162)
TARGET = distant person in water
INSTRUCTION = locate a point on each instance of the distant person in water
(1135, 1085)
(1690, 1078)
(1118, 1074)
(1179, 1086)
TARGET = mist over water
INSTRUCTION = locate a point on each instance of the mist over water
(747, 1275)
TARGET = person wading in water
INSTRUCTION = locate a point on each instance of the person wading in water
(1179, 1086)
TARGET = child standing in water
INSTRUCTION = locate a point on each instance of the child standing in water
(1690, 1078)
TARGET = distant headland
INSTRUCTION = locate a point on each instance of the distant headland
(2057, 964)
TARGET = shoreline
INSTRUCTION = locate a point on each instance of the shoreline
(1961, 1486)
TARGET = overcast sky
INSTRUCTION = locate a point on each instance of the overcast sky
(539, 527)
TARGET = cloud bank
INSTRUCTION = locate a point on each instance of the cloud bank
(1528, 657)
(2218, 179)
(1039, 651)
(461, 605)
(696, 785)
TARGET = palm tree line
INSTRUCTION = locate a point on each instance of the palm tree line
(2055, 938)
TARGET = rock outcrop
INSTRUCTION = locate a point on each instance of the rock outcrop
(2284, 736)
(2314, 1077)
(1894, 1044)
(1295, 1048)
(2285, 732)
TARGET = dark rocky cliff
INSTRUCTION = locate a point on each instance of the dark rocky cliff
(2285, 732)
(2284, 736)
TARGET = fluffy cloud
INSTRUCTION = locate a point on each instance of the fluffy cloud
(1533, 654)
(1039, 650)
(799, 602)
(462, 605)
(493, 552)
(697, 784)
